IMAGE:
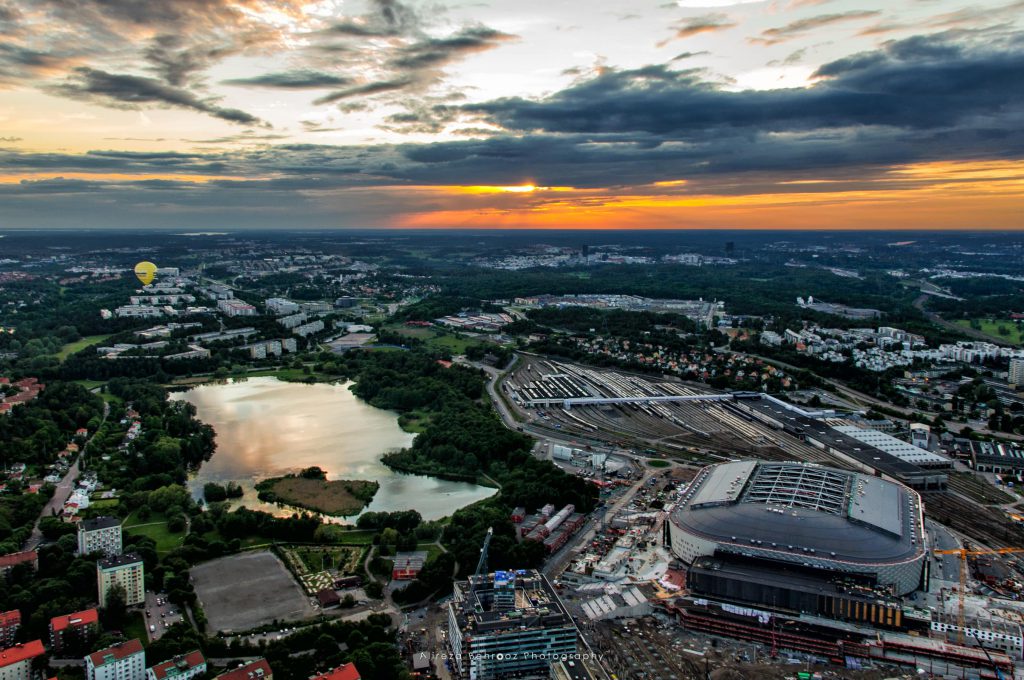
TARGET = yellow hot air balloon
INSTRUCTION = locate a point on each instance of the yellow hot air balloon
(145, 271)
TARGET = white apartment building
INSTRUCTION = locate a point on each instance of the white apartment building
(124, 661)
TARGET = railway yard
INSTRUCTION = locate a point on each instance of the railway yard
(694, 429)
(659, 431)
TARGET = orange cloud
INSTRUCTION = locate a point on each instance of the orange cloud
(940, 195)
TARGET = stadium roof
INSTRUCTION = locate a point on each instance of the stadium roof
(807, 510)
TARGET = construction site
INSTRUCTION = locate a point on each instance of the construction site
(880, 602)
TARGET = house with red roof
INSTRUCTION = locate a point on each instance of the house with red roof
(11, 560)
(346, 672)
(72, 632)
(256, 670)
(181, 667)
(123, 661)
(16, 661)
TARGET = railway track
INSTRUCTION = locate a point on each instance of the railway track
(988, 525)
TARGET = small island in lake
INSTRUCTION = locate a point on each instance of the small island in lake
(310, 489)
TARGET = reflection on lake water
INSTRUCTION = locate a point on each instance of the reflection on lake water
(266, 428)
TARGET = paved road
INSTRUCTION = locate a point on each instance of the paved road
(63, 490)
(54, 506)
(957, 328)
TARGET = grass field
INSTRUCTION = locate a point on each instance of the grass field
(991, 327)
(340, 535)
(156, 528)
(78, 345)
(339, 497)
(414, 421)
(90, 384)
(136, 628)
(433, 549)
(436, 338)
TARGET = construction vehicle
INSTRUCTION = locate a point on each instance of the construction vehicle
(961, 619)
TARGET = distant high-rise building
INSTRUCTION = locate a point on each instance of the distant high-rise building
(99, 534)
(1016, 376)
(586, 250)
(122, 570)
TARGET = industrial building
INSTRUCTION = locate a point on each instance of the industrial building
(551, 530)
(506, 624)
(839, 445)
(800, 536)
(99, 535)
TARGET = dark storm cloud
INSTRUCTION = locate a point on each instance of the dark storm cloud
(437, 52)
(918, 83)
(914, 101)
(130, 91)
(293, 80)
(796, 28)
(67, 47)
(365, 89)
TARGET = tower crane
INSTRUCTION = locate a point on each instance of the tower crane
(961, 619)
(483, 552)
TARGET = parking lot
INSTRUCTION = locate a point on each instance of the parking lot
(245, 591)
(160, 614)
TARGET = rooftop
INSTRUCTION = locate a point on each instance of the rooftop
(97, 523)
(18, 653)
(346, 672)
(116, 653)
(83, 618)
(803, 509)
(9, 560)
(178, 665)
(119, 561)
(251, 671)
(508, 601)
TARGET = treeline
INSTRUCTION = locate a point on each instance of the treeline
(436, 306)
(36, 431)
(464, 439)
(173, 440)
(403, 381)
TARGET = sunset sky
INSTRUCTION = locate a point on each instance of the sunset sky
(772, 114)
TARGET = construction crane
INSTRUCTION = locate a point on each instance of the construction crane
(961, 619)
(483, 552)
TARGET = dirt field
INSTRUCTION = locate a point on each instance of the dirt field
(245, 591)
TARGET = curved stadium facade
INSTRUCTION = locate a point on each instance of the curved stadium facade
(805, 516)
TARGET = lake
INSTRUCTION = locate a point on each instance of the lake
(267, 428)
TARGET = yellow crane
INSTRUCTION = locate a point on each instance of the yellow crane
(961, 620)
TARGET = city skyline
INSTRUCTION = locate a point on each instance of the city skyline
(696, 114)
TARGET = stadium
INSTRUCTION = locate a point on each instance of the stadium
(798, 533)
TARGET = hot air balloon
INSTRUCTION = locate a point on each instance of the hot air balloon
(145, 271)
